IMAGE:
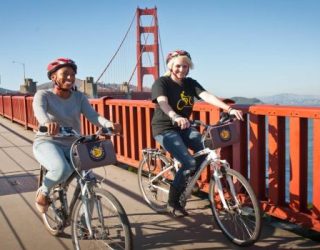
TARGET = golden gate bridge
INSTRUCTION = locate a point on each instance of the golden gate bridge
(263, 132)
(145, 68)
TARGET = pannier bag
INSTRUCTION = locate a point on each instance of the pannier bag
(93, 154)
(222, 135)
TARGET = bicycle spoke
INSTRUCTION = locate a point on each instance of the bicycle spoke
(241, 221)
(108, 221)
(154, 181)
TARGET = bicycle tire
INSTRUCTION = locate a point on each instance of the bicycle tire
(111, 230)
(50, 219)
(155, 192)
(242, 224)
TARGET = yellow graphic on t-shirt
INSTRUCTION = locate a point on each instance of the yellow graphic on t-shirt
(185, 101)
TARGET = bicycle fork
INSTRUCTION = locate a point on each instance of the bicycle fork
(87, 206)
(218, 173)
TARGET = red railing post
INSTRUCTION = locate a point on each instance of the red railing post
(257, 154)
(2, 105)
(277, 160)
(11, 108)
(298, 163)
(316, 168)
(25, 112)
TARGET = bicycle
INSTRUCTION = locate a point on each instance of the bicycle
(97, 218)
(233, 203)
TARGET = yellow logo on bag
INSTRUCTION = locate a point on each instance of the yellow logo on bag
(97, 152)
(225, 134)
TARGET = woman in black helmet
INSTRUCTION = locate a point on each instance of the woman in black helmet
(60, 106)
(174, 95)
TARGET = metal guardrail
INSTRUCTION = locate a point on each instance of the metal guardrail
(274, 152)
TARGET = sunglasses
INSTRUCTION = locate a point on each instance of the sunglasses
(178, 53)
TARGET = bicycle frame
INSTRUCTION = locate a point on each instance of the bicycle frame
(211, 159)
(81, 189)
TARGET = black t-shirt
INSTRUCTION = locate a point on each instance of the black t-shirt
(180, 98)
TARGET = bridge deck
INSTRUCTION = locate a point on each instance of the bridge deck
(21, 227)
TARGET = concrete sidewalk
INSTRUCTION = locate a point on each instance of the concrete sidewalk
(22, 228)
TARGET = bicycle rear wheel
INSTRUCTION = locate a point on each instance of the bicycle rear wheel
(241, 222)
(154, 178)
(109, 222)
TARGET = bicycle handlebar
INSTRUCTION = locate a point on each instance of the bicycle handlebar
(224, 118)
(69, 131)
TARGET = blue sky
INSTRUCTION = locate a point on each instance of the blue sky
(239, 47)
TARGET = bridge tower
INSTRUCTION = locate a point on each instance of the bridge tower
(149, 48)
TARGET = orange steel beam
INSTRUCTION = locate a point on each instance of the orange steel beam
(277, 161)
(289, 111)
(316, 168)
(298, 163)
(125, 132)
(133, 142)
(151, 48)
(257, 155)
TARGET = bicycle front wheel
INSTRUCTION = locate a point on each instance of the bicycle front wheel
(109, 223)
(240, 218)
(154, 179)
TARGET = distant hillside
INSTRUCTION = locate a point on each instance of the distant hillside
(292, 99)
(244, 100)
(6, 91)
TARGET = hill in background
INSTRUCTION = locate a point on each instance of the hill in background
(244, 100)
(292, 99)
(281, 99)
(6, 91)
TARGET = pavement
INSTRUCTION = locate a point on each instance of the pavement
(21, 226)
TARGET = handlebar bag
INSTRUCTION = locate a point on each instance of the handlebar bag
(222, 135)
(94, 154)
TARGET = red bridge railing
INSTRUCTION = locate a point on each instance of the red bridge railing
(278, 151)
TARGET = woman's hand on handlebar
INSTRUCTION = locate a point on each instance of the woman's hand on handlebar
(116, 127)
(53, 128)
(237, 113)
(182, 122)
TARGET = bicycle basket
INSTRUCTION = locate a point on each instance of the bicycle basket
(221, 136)
(93, 154)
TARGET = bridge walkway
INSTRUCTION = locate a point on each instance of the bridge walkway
(21, 226)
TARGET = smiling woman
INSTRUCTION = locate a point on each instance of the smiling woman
(174, 95)
(60, 107)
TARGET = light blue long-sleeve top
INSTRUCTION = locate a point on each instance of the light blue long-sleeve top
(49, 107)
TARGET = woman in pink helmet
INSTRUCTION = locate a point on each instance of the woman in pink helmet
(60, 107)
(174, 95)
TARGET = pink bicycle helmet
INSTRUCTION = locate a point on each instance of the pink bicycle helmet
(59, 63)
(177, 53)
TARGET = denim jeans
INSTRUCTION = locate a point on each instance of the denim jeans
(177, 143)
(55, 158)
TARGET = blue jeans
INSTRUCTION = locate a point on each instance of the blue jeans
(177, 143)
(55, 158)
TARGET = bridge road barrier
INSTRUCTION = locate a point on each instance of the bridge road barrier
(274, 150)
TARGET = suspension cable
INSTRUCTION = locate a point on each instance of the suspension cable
(116, 50)
(160, 42)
